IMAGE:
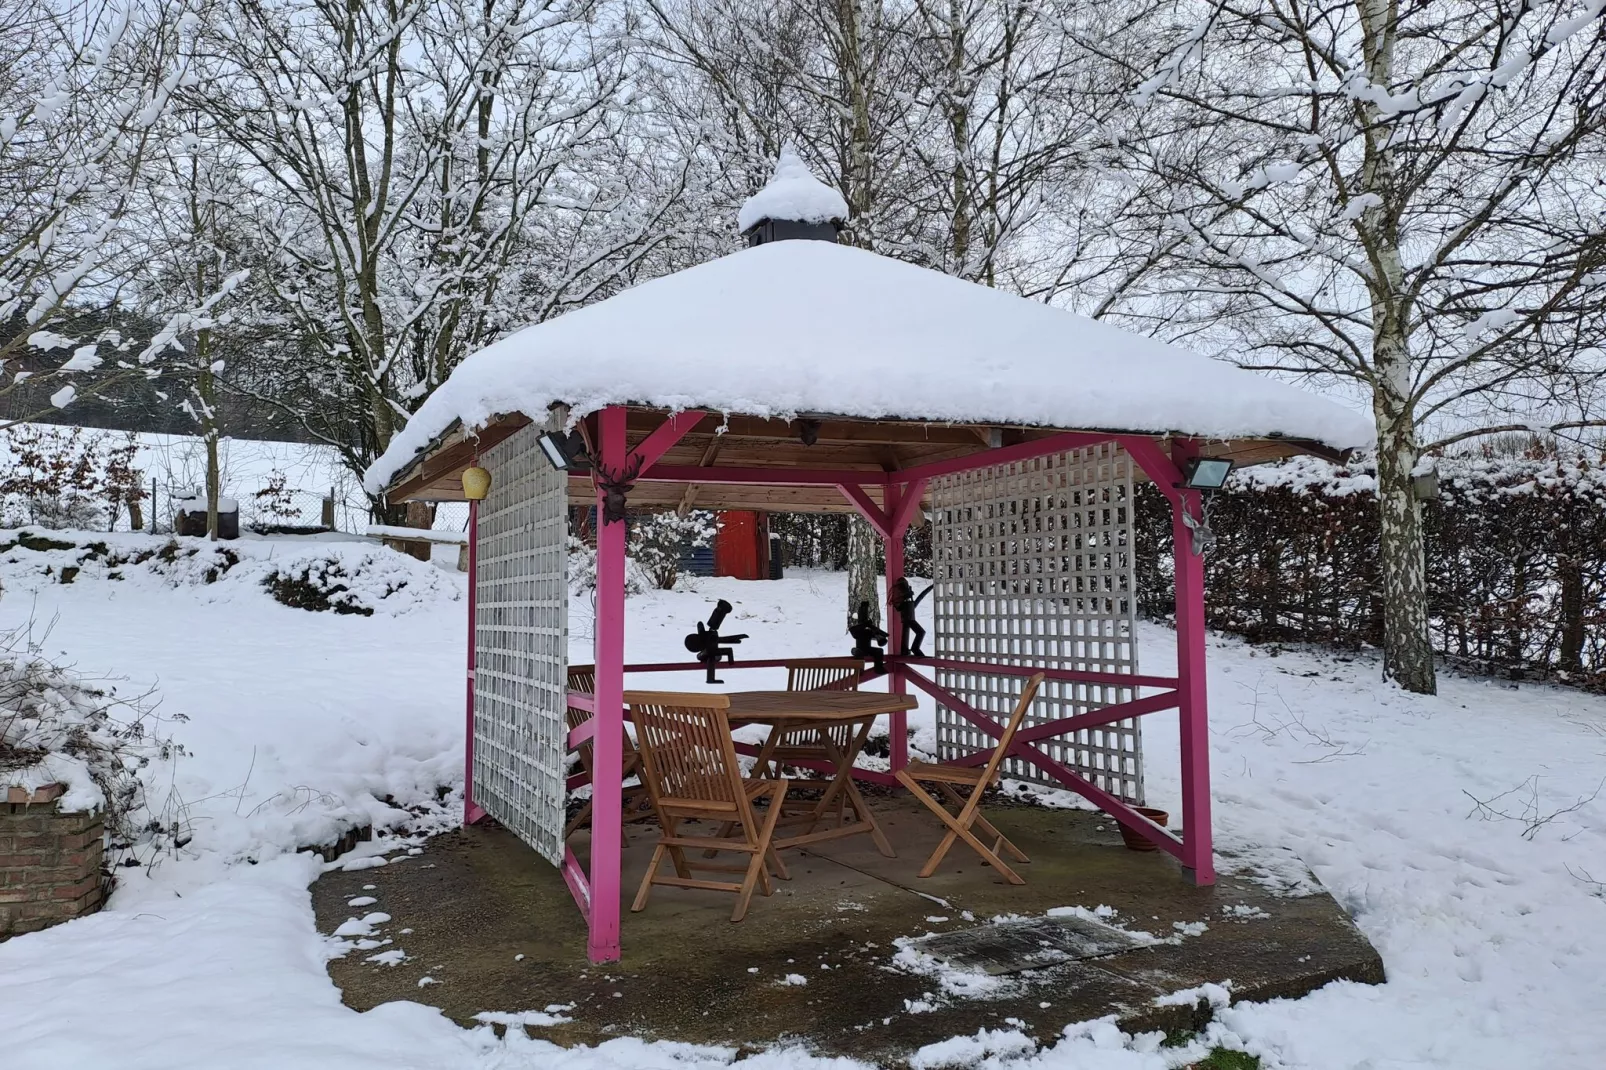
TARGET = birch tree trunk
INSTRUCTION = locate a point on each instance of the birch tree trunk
(1407, 645)
(862, 569)
(1384, 201)
(861, 205)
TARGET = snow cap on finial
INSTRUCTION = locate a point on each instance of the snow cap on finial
(793, 196)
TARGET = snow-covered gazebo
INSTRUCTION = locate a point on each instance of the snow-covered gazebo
(807, 376)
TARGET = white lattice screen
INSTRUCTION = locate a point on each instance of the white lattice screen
(1033, 566)
(521, 644)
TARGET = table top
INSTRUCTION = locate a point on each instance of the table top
(768, 707)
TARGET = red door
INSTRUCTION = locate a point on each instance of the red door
(741, 546)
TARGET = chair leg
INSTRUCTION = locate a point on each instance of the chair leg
(761, 765)
(957, 828)
(987, 827)
(670, 827)
(938, 855)
(851, 791)
(646, 882)
(761, 848)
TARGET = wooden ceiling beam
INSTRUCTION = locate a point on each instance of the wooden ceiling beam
(452, 458)
(689, 495)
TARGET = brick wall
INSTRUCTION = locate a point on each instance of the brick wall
(49, 861)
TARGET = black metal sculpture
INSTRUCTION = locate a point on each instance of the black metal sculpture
(868, 639)
(902, 597)
(709, 645)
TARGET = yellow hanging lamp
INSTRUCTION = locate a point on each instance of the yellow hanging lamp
(476, 483)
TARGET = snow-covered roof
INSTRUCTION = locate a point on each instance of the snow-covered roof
(813, 327)
(792, 193)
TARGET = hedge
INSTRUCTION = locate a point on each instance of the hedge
(1516, 561)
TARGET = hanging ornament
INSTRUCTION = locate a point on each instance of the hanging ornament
(476, 483)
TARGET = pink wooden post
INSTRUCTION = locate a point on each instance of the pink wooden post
(1197, 853)
(892, 548)
(471, 812)
(607, 787)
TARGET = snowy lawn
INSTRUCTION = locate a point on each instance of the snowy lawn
(1492, 928)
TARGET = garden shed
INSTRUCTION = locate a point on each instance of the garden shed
(808, 376)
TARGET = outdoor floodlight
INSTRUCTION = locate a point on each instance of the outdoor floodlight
(1206, 473)
(566, 453)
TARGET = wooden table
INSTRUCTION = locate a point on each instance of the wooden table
(796, 709)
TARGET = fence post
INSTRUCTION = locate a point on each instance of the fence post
(153, 507)
(328, 517)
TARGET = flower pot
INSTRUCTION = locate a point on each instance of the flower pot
(1135, 841)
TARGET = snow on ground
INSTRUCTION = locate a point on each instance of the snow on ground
(301, 722)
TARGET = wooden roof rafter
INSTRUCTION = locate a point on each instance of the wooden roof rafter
(762, 463)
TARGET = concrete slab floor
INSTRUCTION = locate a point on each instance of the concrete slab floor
(494, 925)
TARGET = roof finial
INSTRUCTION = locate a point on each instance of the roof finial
(793, 204)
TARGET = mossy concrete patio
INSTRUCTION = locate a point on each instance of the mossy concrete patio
(493, 924)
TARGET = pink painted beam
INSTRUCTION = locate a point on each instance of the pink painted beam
(892, 549)
(581, 733)
(764, 477)
(1094, 794)
(579, 887)
(873, 514)
(1058, 770)
(1188, 570)
(472, 811)
(1099, 718)
(1155, 464)
(1021, 451)
(583, 700)
(664, 436)
(1073, 676)
(697, 666)
(908, 504)
(607, 818)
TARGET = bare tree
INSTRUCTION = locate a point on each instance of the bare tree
(432, 175)
(81, 96)
(193, 266)
(1405, 198)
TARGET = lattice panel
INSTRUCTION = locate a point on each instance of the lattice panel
(1033, 565)
(521, 643)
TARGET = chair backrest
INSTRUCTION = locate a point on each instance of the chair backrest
(685, 743)
(584, 678)
(581, 678)
(1000, 752)
(824, 674)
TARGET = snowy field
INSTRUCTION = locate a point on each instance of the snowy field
(176, 464)
(1492, 929)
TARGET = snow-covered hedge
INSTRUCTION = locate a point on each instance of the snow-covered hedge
(110, 750)
(1516, 556)
(347, 576)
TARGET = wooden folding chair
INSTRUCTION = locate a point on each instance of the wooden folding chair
(796, 744)
(692, 774)
(636, 804)
(967, 813)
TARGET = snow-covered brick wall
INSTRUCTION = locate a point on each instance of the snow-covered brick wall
(49, 861)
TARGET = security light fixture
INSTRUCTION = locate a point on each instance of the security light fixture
(566, 453)
(1206, 473)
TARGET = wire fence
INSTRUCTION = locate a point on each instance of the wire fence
(276, 509)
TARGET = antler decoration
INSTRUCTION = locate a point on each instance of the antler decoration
(615, 486)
